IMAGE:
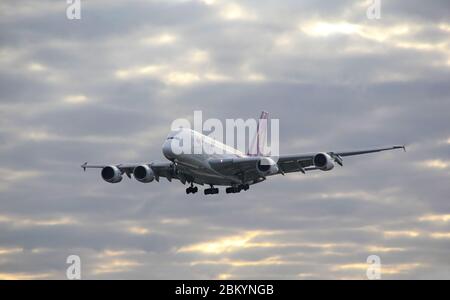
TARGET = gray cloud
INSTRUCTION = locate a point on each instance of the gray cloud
(107, 87)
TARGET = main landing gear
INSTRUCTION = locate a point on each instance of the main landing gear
(237, 188)
(192, 189)
(211, 191)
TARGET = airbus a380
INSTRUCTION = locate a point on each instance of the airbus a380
(225, 167)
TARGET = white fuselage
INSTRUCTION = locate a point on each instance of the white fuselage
(194, 159)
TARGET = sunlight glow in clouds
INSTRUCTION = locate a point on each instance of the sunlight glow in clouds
(39, 135)
(399, 35)
(224, 276)
(24, 276)
(162, 39)
(401, 233)
(176, 222)
(115, 266)
(10, 177)
(182, 78)
(236, 12)
(76, 99)
(436, 164)
(138, 230)
(444, 27)
(268, 261)
(227, 244)
(139, 71)
(199, 56)
(209, 2)
(6, 251)
(385, 269)
(23, 222)
(108, 253)
(440, 235)
(376, 33)
(171, 76)
(17, 175)
(326, 29)
(256, 77)
(377, 249)
(435, 218)
(36, 67)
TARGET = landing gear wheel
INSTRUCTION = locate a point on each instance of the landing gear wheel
(192, 189)
(237, 188)
(211, 191)
(233, 189)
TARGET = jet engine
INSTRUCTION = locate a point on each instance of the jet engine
(111, 174)
(144, 173)
(323, 161)
(266, 166)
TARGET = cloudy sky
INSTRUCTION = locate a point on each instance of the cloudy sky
(106, 88)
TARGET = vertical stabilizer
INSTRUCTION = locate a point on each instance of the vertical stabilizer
(259, 140)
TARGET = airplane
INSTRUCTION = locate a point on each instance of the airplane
(227, 167)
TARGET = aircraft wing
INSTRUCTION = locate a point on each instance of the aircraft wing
(161, 169)
(246, 166)
(304, 162)
(350, 153)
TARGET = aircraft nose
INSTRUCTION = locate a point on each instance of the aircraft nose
(167, 150)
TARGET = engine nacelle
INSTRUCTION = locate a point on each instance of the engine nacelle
(144, 173)
(111, 174)
(323, 161)
(266, 166)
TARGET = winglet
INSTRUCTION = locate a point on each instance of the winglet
(400, 147)
(84, 166)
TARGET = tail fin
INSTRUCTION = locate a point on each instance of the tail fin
(256, 148)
